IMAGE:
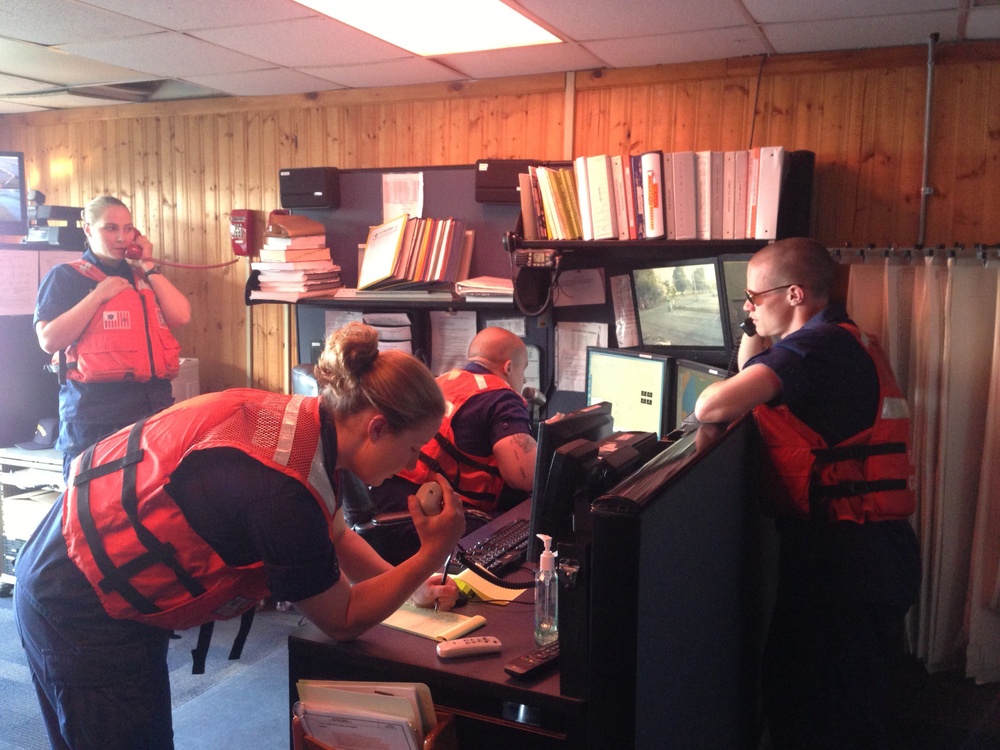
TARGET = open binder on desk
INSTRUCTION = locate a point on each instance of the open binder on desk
(441, 737)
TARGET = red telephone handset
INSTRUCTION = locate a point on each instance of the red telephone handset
(241, 231)
(134, 251)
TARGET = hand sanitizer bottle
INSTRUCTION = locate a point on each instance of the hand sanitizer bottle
(546, 595)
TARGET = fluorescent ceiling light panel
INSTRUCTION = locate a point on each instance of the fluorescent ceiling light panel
(438, 27)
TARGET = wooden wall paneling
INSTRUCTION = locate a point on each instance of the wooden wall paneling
(708, 122)
(906, 199)
(968, 151)
(880, 156)
(991, 187)
(183, 165)
(736, 110)
(831, 179)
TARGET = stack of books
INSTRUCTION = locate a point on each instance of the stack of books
(294, 262)
(410, 253)
(288, 281)
(686, 195)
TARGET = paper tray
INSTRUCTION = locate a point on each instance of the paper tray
(441, 737)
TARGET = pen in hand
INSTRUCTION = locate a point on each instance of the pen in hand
(444, 578)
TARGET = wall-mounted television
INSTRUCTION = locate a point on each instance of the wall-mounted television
(13, 194)
(681, 310)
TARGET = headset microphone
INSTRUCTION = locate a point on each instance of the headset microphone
(533, 396)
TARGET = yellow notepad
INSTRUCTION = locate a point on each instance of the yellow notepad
(438, 626)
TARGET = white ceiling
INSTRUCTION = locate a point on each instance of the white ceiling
(52, 52)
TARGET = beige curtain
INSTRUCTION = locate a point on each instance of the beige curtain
(937, 318)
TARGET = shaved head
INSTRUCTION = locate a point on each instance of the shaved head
(493, 347)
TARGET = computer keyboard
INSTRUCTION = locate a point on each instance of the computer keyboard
(504, 550)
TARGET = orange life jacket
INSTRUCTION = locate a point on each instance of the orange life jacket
(130, 539)
(127, 339)
(868, 477)
(476, 478)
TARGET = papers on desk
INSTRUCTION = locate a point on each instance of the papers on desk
(473, 585)
(438, 626)
(365, 715)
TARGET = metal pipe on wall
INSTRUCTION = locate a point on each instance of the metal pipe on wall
(926, 190)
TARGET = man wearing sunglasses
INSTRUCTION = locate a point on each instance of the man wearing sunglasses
(837, 477)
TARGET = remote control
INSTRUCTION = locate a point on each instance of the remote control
(431, 498)
(474, 646)
(533, 661)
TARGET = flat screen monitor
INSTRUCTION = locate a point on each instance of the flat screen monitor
(690, 379)
(680, 310)
(734, 284)
(591, 423)
(581, 470)
(636, 383)
(13, 194)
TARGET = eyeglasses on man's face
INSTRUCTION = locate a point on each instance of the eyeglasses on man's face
(752, 296)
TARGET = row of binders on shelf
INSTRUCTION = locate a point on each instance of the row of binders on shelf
(412, 253)
(686, 195)
(295, 261)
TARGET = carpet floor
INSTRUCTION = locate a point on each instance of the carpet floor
(234, 704)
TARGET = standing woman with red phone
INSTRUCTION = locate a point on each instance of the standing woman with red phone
(106, 319)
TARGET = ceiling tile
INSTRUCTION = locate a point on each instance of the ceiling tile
(518, 61)
(53, 22)
(404, 72)
(598, 19)
(860, 33)
(304, 42)
(167, 54)
(55, 67)
(265, 82)
(783, 11)
(186, 15)
(18, 85)
(984, 23)
(65, 100)
(15, 107)
(678, 48)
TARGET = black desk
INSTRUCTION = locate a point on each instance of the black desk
(661, 632)
(492, 709)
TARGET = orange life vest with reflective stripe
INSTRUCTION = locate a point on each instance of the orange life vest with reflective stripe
(868, 477)
(130, 539)
(127, 339)
(476, 478)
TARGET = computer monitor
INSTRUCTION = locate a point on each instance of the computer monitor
(636, 383)
(680, 310)
(581, 470)
(13, 194)
(690, 379)
(734, 284)
(592, 423)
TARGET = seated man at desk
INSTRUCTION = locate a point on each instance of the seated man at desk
(484, 446)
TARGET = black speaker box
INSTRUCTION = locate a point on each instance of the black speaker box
(309, 187)
(496, 179)
(795, 206)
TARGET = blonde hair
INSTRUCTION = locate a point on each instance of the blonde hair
(94, 210)
(353, 375)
